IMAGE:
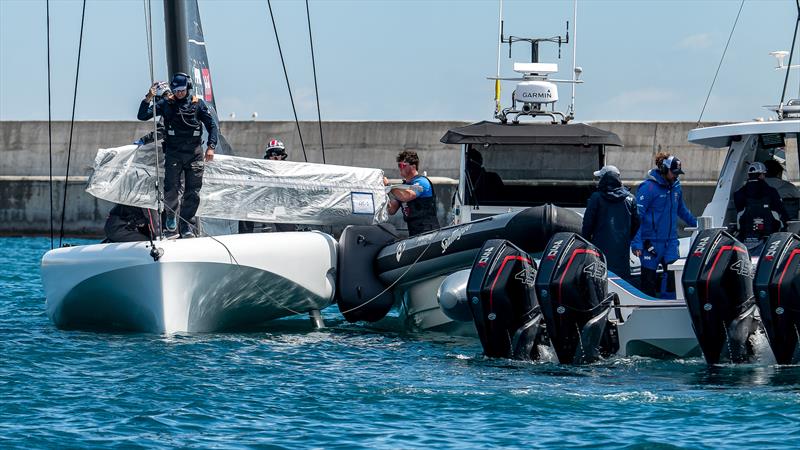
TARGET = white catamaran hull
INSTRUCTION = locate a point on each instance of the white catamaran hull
(197, 285)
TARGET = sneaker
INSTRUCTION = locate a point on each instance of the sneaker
(171, 223)
(186, 234)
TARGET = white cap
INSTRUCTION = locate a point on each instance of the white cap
(605, 170)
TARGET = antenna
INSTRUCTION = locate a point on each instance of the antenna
(789, 66)
(497, 106)
(535, 90)
(576, 71)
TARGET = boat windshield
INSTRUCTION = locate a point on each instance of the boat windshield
(779, 152)
(530, 175)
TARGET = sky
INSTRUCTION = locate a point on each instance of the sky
(405, 59)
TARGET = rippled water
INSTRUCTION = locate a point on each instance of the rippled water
(352, 388)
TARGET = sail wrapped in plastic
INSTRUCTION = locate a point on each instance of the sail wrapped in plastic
(257, 190)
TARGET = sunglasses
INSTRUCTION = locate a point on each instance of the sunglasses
(403, 165)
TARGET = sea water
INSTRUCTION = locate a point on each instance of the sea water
(348, 387)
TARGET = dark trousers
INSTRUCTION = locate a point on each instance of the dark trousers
(190, 166)
(653, 283)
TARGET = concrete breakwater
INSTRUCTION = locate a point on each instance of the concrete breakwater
(24, 170)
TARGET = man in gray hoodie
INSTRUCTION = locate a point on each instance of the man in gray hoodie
(611, 220)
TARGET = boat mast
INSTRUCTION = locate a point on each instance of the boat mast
(176, 37)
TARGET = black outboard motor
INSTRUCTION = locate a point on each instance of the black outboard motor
(572, 287)
(502, 298)
(777, 290)
(718, 286)
(360, 294)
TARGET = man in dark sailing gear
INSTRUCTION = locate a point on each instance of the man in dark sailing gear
(418, 203)
(790, 195)
(128, 224)
(611, 220)
(759, 209)
(184, 117)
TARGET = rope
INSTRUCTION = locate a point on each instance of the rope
(411, 266)
(72, 124)
(148, 19)
(316, 91)
(286, 75)
(50, 127)
(699, 119)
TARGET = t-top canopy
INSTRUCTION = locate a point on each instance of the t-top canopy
(486, 132)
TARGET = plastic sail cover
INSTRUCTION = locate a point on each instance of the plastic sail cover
(258, 190)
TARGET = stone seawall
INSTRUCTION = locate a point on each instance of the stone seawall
(24, 169)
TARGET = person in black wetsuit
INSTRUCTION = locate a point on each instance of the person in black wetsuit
(418, 204)
(611, 220)
(759, 209)
(184, 118)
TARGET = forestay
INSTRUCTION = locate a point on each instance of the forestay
(258, 190)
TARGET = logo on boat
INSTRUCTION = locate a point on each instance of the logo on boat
(596, 269)
(456, 235)
(526, 276)
(772, 249)
(701, 246)
(537, 95)
(743, 268)
(551, 255)
(398, 253)
(484, 259)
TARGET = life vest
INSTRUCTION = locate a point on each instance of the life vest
(183, 127)
(420, 213)
(756, 220)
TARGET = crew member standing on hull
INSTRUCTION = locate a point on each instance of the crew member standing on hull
(184, 118)
(660, 202)
(759, 209)
(418, 203)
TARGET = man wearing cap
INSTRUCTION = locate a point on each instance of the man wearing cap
(759, 209)
(660, 203)
(184, 117)
(611, 220)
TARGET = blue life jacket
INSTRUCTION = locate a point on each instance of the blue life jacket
(660, 204)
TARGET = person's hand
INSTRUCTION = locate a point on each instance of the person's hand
(637, 252)
(152, 92)
(209, 154)
(385, 181)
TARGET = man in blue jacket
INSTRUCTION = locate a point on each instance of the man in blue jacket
(660, 203)
(611, 220)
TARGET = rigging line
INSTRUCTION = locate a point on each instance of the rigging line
(316, 90)
(72, 124)
(720, 64)
(50, 127)
(148, 18)
(791, 53)
(286, 75)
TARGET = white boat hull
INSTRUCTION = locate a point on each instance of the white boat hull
(198, 285)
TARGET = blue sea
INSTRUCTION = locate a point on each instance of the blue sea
(349, 387)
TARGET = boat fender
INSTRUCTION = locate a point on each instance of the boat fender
(502, 300)
(718, 287)
(360, 294)
(777, 291)
(572, 288)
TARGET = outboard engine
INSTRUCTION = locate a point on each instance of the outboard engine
(502, 298)
(360, 294)
(777, 290)
(718, 286)
(572, 287)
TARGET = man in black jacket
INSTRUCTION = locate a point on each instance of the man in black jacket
(611, 220)
(759, 209)
(128, 224)
(184, 117)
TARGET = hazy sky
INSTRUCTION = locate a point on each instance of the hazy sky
(405, 60)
